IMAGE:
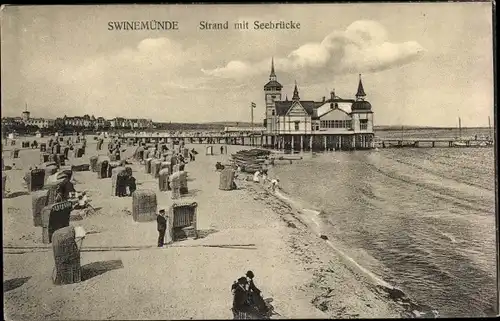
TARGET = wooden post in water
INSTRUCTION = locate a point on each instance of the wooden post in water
(459, 128)
(489, 128)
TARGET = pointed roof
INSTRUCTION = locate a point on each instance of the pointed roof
(361, 90)
(295, 92)
(273, 74)
(273, 80)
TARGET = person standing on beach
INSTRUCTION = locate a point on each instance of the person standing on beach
(274, 184)
(162, 227)
(256, 177)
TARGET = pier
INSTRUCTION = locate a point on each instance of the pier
(432, 142)
(304, 142)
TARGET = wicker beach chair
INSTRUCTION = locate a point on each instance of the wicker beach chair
(54, 217)
(56, 149)
(36, 179)
(155, 167)
(102, 167)
(111, 165)
(183, 217)
(183, 183)
(50, 168)
(144, 205)
(93, 163)
(66, 257)
(226, 179)
(44, 157)
(66, 152)
(39, 201)
(114, 179)
(139, 153)
(79, 152)
(147, 165)
(175, 185)
(4, 183)
(15, 153)
(163, 179)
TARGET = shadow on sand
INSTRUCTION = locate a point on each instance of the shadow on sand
(97, 268)
(191, 193)
(17, 194)
(14, 283)
(204, 233)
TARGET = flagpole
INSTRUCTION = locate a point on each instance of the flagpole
(252, 106)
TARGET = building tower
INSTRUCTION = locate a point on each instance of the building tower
(361, 111)
(272, 92)
(360, 95)
(26, 114)
(296, 93)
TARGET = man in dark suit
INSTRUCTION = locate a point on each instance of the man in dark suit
(162, 227)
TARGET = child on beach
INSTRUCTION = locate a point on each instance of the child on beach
(256, 177)
(274, 184)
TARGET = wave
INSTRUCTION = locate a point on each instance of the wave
(439, 173)
(440, 190)
(309, 218)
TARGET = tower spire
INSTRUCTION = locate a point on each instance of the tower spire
(360, 95)
(295, 92)
(272, 76)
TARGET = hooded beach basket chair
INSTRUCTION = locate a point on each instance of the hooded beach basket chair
(163, 180)
(144, 205)
(183, 220)
(36, 179)
(39, 201)
(147, 165)
(227, 179)
(175, 185)
(54, 217)
(93, 163)
(155, 167)
(102, 167)
(115, 184)
(66, 257)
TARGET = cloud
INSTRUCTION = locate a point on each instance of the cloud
(362, 47)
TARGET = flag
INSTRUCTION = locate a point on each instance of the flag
(253, 105)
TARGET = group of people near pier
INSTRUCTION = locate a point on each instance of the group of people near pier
(274, 183)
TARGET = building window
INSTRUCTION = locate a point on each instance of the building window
(297, 125)
(363, 124)
(272, 113)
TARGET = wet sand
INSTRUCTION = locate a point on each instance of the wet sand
(305, 278)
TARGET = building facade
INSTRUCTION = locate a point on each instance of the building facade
(329, 124)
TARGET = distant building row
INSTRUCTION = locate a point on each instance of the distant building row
(85, 121)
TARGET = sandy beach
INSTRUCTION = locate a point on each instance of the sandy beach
(184, 280)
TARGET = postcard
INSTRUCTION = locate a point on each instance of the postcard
(249, 161)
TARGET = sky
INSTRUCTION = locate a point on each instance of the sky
(422, 64)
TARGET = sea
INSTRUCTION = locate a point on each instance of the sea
(421, 219)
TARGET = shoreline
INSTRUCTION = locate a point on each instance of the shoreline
(398, 300)
(296, 268)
